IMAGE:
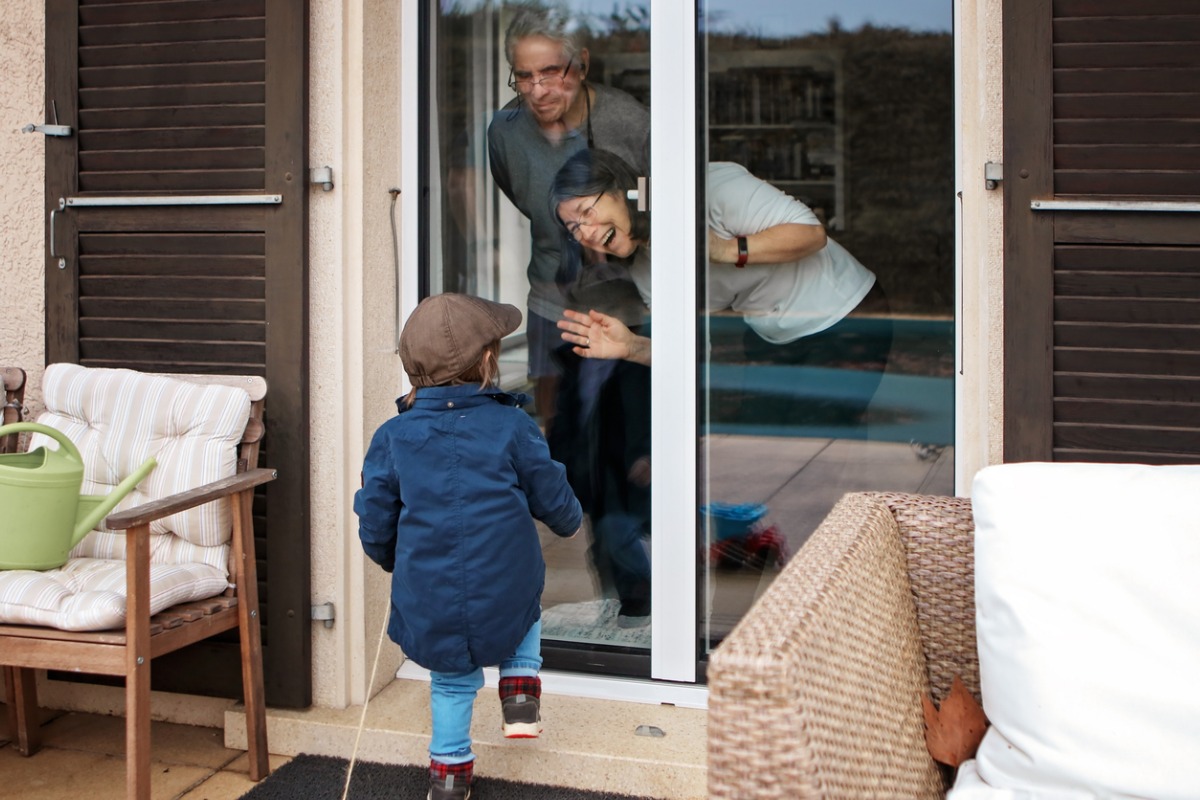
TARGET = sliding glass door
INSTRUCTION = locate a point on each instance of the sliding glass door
(827, 357)
(793, 168)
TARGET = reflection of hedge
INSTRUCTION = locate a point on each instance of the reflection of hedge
(898, 102)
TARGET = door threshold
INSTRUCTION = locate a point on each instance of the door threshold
(631, 690)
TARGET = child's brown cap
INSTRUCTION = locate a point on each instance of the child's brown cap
(447, 333)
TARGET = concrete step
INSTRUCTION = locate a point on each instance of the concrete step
(588, 742)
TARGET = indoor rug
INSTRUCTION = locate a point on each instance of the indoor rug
(324, 777)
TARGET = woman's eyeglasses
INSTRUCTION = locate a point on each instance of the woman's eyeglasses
(552, 81)
(586, 217)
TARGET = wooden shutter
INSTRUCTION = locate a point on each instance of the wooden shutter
(179, 244)
(1102, 230)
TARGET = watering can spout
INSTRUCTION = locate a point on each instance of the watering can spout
(93, 508)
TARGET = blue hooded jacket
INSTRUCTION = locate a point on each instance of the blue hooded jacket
(450, 490)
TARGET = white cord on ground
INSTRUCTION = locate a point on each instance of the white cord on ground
(370, 685)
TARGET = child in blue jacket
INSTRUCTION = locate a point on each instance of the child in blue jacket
(451, 488)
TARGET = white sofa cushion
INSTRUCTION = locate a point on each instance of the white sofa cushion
(1088, 617)
(117, 419)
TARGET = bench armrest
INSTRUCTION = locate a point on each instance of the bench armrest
(157, 509)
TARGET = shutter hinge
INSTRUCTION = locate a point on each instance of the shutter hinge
(324, 613)
(993, 173)
(49, 129)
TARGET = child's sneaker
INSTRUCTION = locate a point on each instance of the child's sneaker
(521, 705)
(450, 781)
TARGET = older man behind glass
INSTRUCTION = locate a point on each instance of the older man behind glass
(555, 114)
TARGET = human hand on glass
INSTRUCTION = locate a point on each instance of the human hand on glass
(597, 335)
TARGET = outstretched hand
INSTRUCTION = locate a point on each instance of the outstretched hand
(596, 335)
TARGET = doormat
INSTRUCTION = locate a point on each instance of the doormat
(592, 622)
(324, 778)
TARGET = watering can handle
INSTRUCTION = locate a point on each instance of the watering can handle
(36, 427)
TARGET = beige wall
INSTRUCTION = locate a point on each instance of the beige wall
(22, 221)
(980, 416)
(356, 69)
(355, 114)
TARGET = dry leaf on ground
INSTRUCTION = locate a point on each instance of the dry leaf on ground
(953, 732)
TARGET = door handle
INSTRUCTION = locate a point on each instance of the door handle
(62, 262)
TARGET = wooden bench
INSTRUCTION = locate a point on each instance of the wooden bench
(129, 652)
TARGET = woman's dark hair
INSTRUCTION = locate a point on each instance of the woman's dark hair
(591, 172)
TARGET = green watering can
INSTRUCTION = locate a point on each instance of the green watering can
(42, 513)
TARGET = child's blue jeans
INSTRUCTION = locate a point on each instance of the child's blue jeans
(452, 698)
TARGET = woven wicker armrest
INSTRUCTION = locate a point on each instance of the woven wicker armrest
(939, 540)
(816, 693)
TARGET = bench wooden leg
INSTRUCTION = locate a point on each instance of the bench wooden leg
(137, 663)
(24, 719)
(250, 633)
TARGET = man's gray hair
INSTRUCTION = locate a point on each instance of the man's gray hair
(555, 24)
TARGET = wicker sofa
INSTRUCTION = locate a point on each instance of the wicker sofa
(816, 693)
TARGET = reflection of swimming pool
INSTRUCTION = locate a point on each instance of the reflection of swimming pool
(788, 400)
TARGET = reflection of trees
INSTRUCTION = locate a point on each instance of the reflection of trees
(898, 107)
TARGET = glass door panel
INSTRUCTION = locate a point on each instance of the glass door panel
(828, 330)
(515, 90)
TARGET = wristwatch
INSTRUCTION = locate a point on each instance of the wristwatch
(743, 252)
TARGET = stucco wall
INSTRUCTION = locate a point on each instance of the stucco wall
(22, 220)
(355, 128)
(980, 418)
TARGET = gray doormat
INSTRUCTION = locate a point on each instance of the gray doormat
(324, 777)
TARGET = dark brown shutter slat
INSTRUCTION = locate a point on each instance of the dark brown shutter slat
(138, 286)
(155, 54)
(1161, 363)
(1118, 81)
(1127, 131)
(172, 74)
(156, 181)
(1148, 414)
(179, 158)
(167, 94)
(1164, 56)
(233, 29)
(1156, 441)
(182, 330)
(137, 308)
(145, 265)
(159, 11)
(150, 244)
(1140, 156)
(1172, 389)
(1125, 285)
(1172, 105)
(239, 357)
(1131, 29)
(1167, 312)
(1138, 336)
(1121, 8)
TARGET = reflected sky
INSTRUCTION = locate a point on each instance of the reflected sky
(780, 18)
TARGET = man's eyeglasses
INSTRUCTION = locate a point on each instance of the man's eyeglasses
(586, 217)
(551, 81)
